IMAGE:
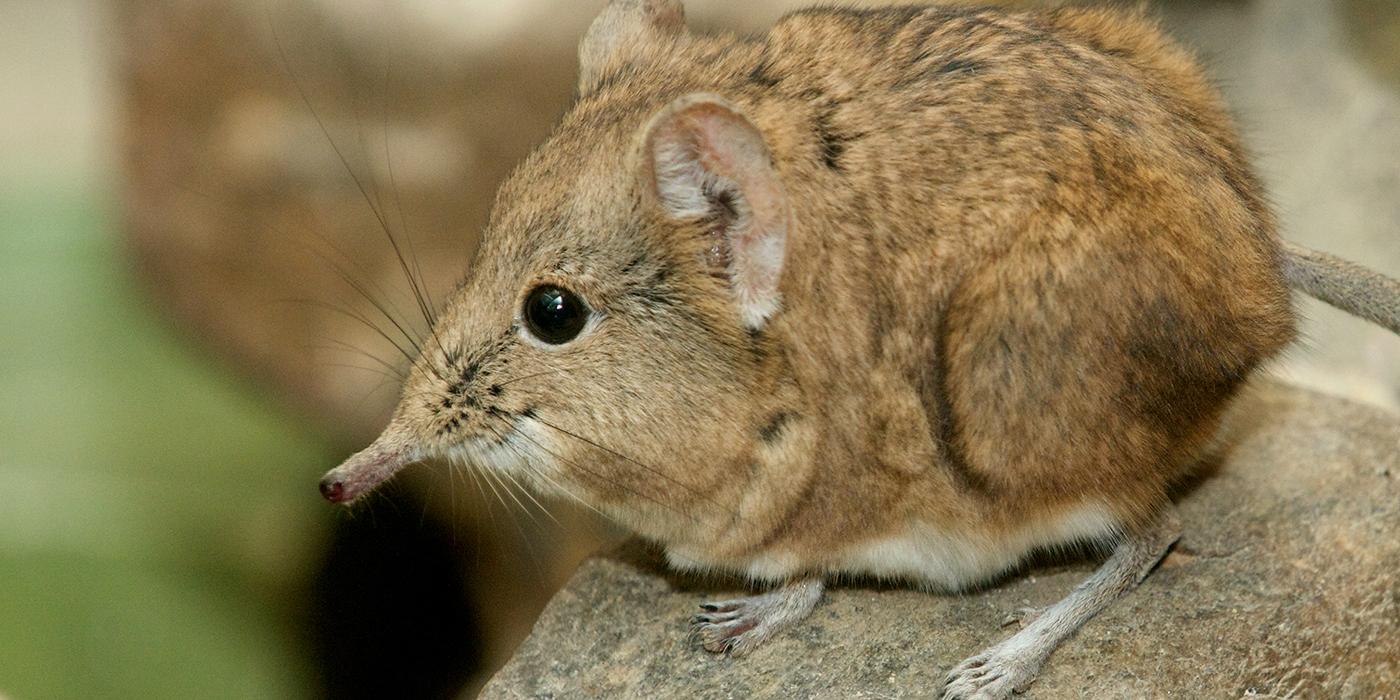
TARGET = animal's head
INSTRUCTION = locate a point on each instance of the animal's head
(604, 342)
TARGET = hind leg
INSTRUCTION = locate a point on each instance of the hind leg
(1010, 666)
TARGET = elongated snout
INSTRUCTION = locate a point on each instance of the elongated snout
(365, 470)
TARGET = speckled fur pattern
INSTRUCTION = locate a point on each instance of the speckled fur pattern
(906, 292)
(985, 274)
(1026, 267)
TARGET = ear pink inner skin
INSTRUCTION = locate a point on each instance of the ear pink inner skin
(727, 145)
(362, 472)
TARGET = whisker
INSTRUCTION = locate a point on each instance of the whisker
(488, 477)
(342, 346)
(491, 540)
(417, 283)
(512, 485)
(362, 368)
(602, 479)
(452, 499)
(378, 202)
(542, 475)
(501, 478)
(410, 356)
(490, 517)
(523, 489)
(653, 470)
(359, 184)
(398, 204)
(360, 405)
(350, 281)
(340, 271)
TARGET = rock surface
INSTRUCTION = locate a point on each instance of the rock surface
(1285, 584)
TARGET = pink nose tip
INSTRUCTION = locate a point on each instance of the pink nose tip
(333, 490)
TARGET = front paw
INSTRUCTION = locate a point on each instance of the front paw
(732, 627)
(735, 627)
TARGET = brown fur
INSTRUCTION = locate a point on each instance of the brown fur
(1027, 266)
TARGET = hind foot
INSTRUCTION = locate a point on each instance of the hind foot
(996, 673)
(1011, 666)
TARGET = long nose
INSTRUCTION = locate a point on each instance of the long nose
(365, 470)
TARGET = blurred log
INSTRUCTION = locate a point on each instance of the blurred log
(266, 156)
(267, 152)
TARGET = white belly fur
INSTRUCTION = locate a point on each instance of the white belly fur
(927, 555)
(932, 556)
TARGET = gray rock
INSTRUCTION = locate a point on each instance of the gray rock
(1285, 584)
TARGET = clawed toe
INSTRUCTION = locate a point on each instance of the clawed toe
(714, 617)
(992, 675)
(1011, 666)
(965, 667)
(722, 627)
(735, 627)
(723, 606)
(733, 635)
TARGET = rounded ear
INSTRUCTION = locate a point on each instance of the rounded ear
(621, 32)
(703, 161)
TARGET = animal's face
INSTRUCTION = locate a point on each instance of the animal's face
(589, 350)
(604, 342)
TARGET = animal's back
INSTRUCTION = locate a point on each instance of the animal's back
(1025, 248)
(1050, 227)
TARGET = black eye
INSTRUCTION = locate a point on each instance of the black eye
(555, 315)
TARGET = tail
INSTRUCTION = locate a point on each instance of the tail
(1352, 288)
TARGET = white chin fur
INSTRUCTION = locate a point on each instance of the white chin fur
(524, 453)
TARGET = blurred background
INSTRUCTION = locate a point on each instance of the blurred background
(200, 312)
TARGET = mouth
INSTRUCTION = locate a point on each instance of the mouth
(362, 472)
